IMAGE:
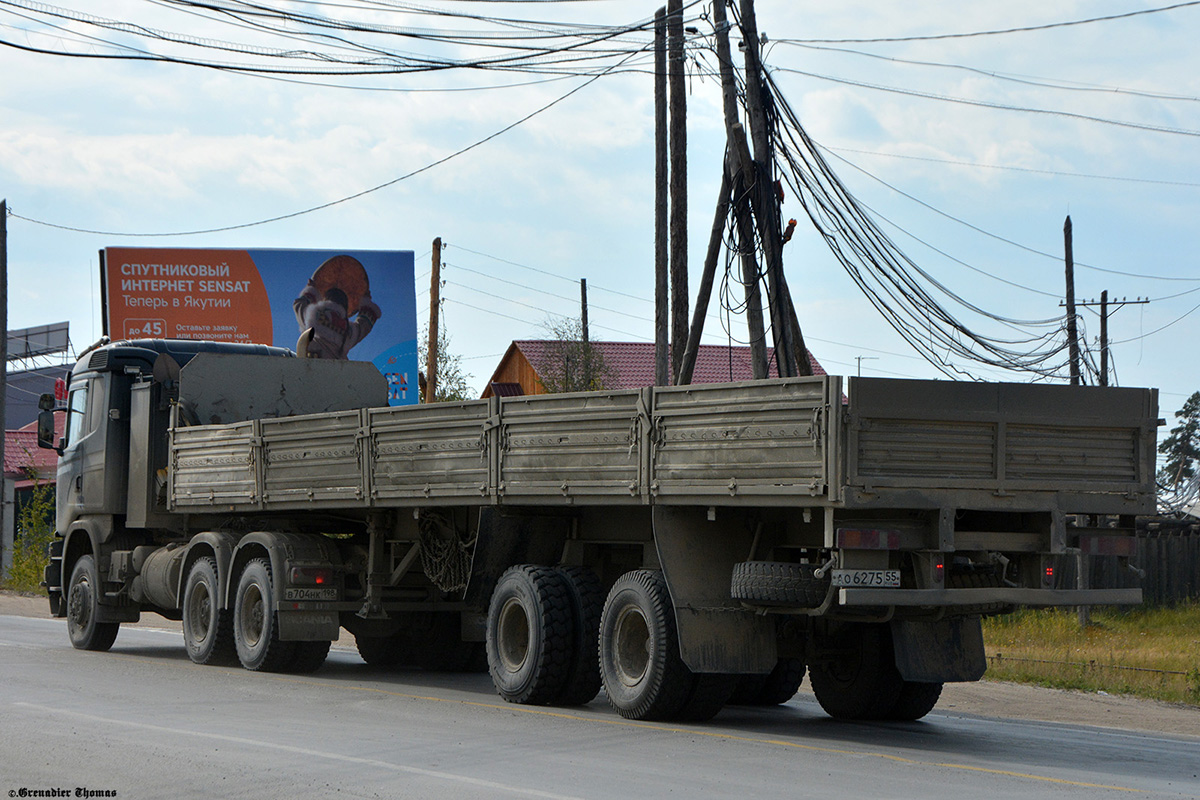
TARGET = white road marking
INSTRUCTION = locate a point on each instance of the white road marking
(305, 751)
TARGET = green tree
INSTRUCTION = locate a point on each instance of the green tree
(1182, 446)
(35, 532)
(572, 364)
(453, 383)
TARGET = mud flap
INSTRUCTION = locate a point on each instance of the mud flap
(308, 626)
(507, 538)
(946, 651)
(697, 555)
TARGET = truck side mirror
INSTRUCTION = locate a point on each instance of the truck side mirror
(45, 430)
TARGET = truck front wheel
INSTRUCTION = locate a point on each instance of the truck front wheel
(207, 628)
(530, 633)
(255, 626)
(83, 601)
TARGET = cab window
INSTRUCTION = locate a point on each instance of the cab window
(77, 414)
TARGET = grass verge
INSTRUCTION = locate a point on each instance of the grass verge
(1145, 652)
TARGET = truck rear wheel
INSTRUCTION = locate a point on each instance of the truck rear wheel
(530, 633)
(83, 601)
(587, 602)
(308, 656)
(255, 626)
(856, 675)
(772, 689)
(915, 701)
(207, 628)
(643, 674)
(379, 651)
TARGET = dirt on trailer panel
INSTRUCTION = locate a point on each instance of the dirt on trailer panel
(982, 699)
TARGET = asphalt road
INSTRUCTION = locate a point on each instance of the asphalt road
(144, 722)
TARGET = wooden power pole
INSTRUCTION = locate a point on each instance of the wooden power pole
(661, 219)
(583, 321)
(435, 296)
(679, 216)
(1072, 327)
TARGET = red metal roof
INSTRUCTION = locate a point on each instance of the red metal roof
(21, 452)
(632, 363)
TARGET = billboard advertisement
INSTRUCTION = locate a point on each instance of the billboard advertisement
(351, 304)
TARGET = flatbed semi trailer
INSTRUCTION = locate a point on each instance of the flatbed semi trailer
(680, 547)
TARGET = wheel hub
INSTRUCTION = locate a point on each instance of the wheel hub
(512, 633)
(632, 646)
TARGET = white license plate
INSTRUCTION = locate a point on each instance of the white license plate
(884, 578)
(310, 594)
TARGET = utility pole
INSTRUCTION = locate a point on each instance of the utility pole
(435, 296)
(4, 509)
(583, 304)
(661, 219)
(704, 293)
(1104, 338)
(1104, 315)
(768, 202)
(861, 359)
(678, 143)
(1072, 328)
(741, 167)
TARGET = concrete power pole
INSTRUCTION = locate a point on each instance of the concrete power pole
(435, 297)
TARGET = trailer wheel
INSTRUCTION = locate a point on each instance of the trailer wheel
(587, 602)
(207, 628)
(308, 656)
(710, 692)
(379, 651)
(856, 675)
(255, 626)
(643, 674)
(772, 689)
(530, 635)
(778, 583)
(915, 701)
(83, 601)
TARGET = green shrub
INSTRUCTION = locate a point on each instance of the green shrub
(35, 532)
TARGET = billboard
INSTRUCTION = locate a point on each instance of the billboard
(358, 304)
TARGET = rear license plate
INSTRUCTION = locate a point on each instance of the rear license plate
(883, 578)
(310, 594)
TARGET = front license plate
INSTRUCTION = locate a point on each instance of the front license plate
(310, 594)
(883, 578)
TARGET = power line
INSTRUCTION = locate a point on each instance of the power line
(1009, 167)
(331, 203)
(1002, 31)
(995, 106)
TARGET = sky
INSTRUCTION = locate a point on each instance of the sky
(969, 151)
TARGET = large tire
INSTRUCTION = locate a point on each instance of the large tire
(530, 635)
(207, 628)
(710, 692)
(255, 624)
(308, 656)
(856, 677)
(778, 583)
(379, 651)
(643, 674)
(775, 688)
(587, 603)
(915, 701)
(83, 606)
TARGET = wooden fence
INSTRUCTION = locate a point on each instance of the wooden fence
(1170, 558)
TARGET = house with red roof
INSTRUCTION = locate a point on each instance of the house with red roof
(25, 466)
(627, 365)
